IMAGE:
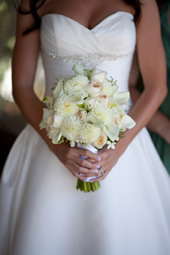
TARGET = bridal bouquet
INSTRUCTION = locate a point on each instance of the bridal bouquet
(86, 110)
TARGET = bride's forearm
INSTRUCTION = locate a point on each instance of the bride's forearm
(31, 108)
(144, 108)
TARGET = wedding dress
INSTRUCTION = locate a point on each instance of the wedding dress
(42, 213)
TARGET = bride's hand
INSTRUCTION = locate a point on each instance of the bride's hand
(109, 158)
(75, 159)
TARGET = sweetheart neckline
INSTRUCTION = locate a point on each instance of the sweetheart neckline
(89, 29)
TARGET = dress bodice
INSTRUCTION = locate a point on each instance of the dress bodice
(108, 46)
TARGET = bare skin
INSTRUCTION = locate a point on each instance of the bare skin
(159, 123)
(90, 13)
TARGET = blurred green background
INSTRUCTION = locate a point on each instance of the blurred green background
(11, 120)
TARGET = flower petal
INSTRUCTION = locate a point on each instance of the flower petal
(47, 113)
(98, 75)
(48, 100)
(57, 136)
(126, 122)
(92, 119)
(78, 69)
(121, 97)
(58, 88)
(77, 99)
(58, 121)
(112, 131)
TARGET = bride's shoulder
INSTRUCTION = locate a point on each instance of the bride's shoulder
(49, 6)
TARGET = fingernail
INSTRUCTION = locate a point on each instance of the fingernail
(98, 167)
(83, 157)
(91, 181)
(95, 171)
(81, 174)
(99, 158)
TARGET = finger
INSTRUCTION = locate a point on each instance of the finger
(101, 177)
(82, 177)
(88, 154)
(87, 164)
(86, 171)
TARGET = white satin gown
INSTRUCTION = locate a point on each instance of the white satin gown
(41, 212)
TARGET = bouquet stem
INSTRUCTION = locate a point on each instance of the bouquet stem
(87, 186)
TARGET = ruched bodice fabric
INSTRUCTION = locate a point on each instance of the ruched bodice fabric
(42, 213)
(106, 46)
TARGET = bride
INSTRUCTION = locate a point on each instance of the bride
(41, 210)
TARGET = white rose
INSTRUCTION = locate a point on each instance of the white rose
(94, 88)
(101, 141)
(98, 75)
(105, 99)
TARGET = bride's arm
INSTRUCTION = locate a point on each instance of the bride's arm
(159, 123)
(24, 63)
(152, 65)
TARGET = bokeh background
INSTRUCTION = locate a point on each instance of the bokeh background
(11, 120)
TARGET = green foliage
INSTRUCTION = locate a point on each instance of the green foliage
(7, 34)
(3, 7)
(88, 73)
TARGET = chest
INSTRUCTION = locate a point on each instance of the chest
(87, 12)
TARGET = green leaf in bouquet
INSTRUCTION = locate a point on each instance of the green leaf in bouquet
(88, 73)
(121, 134)
(49, 101)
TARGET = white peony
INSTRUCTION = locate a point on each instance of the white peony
(71, 127)
(89, 133)
(65, 107)
(76, 83)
